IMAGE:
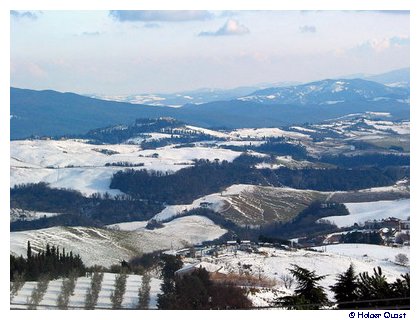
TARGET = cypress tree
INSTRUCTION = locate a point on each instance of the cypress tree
(144, 292)
(29, 251)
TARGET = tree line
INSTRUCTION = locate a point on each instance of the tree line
(305, 223)
(77, 209)
(207, 177)
(196, 291)
(351, 291)
(380, 160)
(50, 262)
(141, 129)
(278, 146)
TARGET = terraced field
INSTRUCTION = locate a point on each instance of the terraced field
(109, 246)
(260, 205)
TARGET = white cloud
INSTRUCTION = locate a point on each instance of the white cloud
(91, 34)
(379, 45)
(397, 12)
(24, 14)
(307, 29)
(160, 15)
(231, 27)
(151, 25)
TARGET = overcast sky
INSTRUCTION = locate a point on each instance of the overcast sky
(125, 52)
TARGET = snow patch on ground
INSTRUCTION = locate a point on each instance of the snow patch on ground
(215, 201)
(399, 128)
(362, 251)
(272, 166)
(259, 133)
(333, 102)
(302, 129)
(363, 211)
(152, 136)
(128, 226)
(209, 132)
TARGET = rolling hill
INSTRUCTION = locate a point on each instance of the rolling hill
(328, 92)
(51, 113)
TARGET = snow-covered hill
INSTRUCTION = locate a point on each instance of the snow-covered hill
(110, 246)
(81, 166)
(328, 92)
(179, 99)
(377, 210)
(249, 204)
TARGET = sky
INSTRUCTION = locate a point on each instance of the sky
(128, 52)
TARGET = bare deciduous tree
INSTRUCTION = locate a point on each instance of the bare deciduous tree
(402, 259)
(287, 279)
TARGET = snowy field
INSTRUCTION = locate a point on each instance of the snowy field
(399, 128)
(269, 264)
(259, 133)
(209, 132)
(81, 166)
(110, 246)
(361, 251)
(376, 129)
(363, 211)
(77, 301)
(272, 263)
(148, 137)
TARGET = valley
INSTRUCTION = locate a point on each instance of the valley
(250, 201)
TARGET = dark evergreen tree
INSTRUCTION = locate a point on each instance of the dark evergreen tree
(167, 299)
(48, 262)
(345, 289)
(401, 292)
(119, 289)
(196, 291)
(373, 289)
(308, 293)
(144, 292)
(191, 291)
(29, 251)
(92, 292)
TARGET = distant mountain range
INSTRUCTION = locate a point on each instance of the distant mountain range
(179, 99)
(328, 92)
(395, 78)
(51, 113)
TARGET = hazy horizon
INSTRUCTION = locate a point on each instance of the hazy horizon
(205, 88)
(131, 52)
